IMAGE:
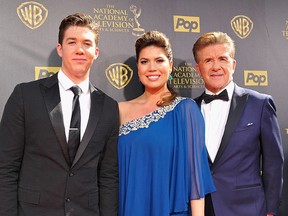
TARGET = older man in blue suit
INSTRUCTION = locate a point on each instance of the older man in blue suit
(242, 135)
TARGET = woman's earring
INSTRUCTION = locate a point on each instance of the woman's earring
(170, 77)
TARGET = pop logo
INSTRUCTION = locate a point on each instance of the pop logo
(43, 72)
(255, 78)
(186, 24)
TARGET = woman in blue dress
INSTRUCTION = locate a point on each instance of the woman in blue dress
(163, 166)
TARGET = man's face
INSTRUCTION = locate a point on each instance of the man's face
(215, 66)
(78, 52)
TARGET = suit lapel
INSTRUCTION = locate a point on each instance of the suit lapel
(51, 95)
(95, 113)
(238, 102)
(199, 99)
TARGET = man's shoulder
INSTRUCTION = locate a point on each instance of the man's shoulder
(252, 93)
(104, 95)
(34, 84)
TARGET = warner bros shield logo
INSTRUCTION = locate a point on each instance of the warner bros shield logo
(242, 26)
(32, 14)
(119, 75)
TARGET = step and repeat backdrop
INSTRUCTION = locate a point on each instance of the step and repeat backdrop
(29, 30)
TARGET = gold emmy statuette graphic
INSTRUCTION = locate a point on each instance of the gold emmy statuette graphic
(136, 31)
(32, 14)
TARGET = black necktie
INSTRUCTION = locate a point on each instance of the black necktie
(222, 96)
(74, 131)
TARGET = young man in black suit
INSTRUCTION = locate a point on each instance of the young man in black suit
(39, 172)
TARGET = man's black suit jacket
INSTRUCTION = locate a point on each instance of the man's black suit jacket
(36, 178)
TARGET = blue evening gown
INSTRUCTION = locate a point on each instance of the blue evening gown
(163, 161)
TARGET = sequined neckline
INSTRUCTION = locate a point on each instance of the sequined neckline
(145, 121)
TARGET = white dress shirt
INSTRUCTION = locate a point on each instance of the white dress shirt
(215, 115)
(66, 96)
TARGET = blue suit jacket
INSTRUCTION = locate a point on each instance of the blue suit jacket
(248, 168)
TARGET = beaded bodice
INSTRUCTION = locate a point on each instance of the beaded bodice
(145, 121)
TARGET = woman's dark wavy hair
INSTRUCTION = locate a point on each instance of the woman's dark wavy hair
(158, 39)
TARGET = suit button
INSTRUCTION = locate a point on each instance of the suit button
(68, 199)
(71, 174)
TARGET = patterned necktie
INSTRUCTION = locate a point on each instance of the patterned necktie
(74, 131)
(222, 96)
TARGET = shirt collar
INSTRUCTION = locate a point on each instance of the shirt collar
(229, 88)
(67, 83)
